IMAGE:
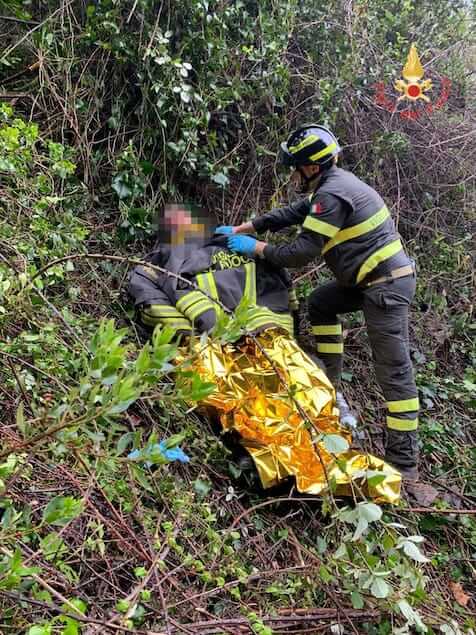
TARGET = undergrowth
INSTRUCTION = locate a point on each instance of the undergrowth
(122, 509)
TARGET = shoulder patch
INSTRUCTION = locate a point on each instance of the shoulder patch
(317, 208)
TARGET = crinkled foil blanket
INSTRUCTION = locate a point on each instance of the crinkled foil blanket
(253, 378)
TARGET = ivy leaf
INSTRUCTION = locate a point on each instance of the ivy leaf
(362, 525)
(335, 444)
(375, 479)
(44, 629)
(201, 487)
(221, 179)
(120, 187)
(415, 538)
(357, 600)
(379, 588)
(370, 511)
(62, 509)
(412, 551)
(411, 615)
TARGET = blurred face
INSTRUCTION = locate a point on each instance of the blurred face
(308, 171)
(182, 223)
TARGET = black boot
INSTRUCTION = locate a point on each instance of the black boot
(401, 451)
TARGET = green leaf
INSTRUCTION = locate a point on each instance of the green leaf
(72, 626)
(325, 574)
(120, 187)
(124, 441)
(413, 618)
(52, 546)
(376, 479)
(62, 509)
(335, 444)
(362, 525)
(379, 588)
(174, 440)
(221, 179)
(201, 487)
(412, 551)
(45, 629)
(357, 600)
(370, 511)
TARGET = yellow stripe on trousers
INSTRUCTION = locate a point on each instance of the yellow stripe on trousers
(404, 405)
(324, 347)
(404, 425)
(327, 329)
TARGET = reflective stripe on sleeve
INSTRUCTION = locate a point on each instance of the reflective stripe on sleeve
(206, 282)
(176, 323)
(293, 300)
(262, 316)
(250, 282)
(379, 256)
(327, 329)
(358, 230)
(402, 424)
(188, 299)
(404, 405)
(336, 348)
(161, 310)
(320, 227)
(198, 308)
(327, 150)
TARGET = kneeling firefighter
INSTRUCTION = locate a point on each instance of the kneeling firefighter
(347, 222)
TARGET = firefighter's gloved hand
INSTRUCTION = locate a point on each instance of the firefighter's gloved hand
(242, 244)
(225, 229)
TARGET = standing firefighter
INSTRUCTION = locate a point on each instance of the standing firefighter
(348, 223)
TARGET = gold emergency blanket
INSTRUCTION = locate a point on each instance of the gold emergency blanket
(252, 399)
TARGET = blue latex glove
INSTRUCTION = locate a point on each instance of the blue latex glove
(242, 244)
(224, 229)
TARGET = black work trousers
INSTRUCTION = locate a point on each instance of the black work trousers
(386, 308)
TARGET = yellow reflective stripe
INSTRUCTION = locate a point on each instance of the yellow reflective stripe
(200, 307)
(327, 150)
(304, 143)
(265, 316)
(265, 319)
(293, 299)
(323, 347)
(404, 405)
(402, 424)
(206, 282)
(255, 324)
(320, 227)
(176, 323)
(327, 329)
(250, 282)
(358, 230)
(270, 315)
(379, 256)
(162, 310)
(188, 299)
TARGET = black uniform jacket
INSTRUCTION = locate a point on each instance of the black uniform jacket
(218, 274)
(346, 222)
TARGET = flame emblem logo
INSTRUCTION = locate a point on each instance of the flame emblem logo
(412, 88)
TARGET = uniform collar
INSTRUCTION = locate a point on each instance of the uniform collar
(330, 172)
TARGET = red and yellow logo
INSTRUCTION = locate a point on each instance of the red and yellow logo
(413, 89)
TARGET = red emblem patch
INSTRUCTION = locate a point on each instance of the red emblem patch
(317, 208)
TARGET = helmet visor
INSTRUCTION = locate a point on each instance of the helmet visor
(285, 157)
